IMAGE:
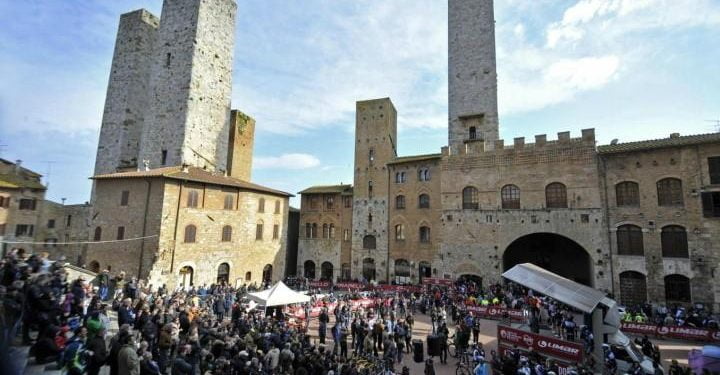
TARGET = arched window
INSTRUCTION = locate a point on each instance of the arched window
(633, 288)
(261, 205)
(345, 271)
(510, 197)
(331, 230)
(223, 273)
(277, 207)
(677, 289)
(674, 242)
(192, 198)
(473, 132)
(470, 199)
(369, 242)
(326, 271)
(190, 233)
(403, 178)
(309, 269)
(98, 234)
(259, 231)
(627, 193)
(314, 230)
(397, 177)
(248, 276)
(669, 191)
(186, 277)
(424, 234)
(267, 272)
(399, 232)
(325, 231)
(630, 240)
(308, 230)
(330, 203)
(368, 269)
(400, 202)
(556, 195)
(226, 233)
(229, 202)
(402, 271)
(370, 189)
(424, 201)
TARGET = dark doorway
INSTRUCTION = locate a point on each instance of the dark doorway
(369, 269)
(223, 273)
(425, 270)
(267, 273)
(552, 252)
(471, 278)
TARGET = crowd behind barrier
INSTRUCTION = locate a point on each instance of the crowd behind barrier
(212, 329)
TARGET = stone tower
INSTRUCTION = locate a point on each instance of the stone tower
(190, 84)
(240, 145)
(375, 145)
(472, 74)
(127, 93)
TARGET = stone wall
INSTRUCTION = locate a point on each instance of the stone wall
(240, 150)
(69, 225)
(12, 216)
(472, 75)
(190, 85)
(127, 93)
(321, 248)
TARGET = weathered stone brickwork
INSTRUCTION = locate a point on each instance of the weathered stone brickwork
(240, 150)
(472, 74)
(128, 94)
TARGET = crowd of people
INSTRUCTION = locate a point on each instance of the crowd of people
(212, 329)
(696, 316)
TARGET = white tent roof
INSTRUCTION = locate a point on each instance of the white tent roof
(583, 298)
(278, 295)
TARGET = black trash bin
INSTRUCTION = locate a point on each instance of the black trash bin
(433, 343)
(418, 355)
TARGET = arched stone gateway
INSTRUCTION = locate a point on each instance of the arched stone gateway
(552, 252)
(471, 277)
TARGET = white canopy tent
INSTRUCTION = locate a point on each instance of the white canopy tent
(278, 295)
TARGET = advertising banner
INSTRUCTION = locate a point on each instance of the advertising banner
(672, 332)
(436, 281)
(495, 312)
(545, 345)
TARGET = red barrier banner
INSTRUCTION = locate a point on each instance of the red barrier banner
(436, 281)
(545, 345)
(563, 366)
(397, 288)
(319, 284)
(682, 333)
(299, 312)
(349, 285)
(495, 312)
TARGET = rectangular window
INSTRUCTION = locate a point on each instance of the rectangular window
(68, 221)
(124, 198)
(24, 230)
(229, 202)
(346, 235)
(313, 202)
(51, 223)
(714, 169)
(277, 207)
(308, 230)
(27, 204)
(259, 232)
(276, 232)
(330, 203)
(347, 202)
(4, 201)
(711, 204)
(121, 233)
(163, 157)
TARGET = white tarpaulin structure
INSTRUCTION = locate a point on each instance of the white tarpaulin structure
(278, 295)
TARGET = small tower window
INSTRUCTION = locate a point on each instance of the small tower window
(163, 157)
(370, 189)
(371, 155)
(167, 60)
(473, 132)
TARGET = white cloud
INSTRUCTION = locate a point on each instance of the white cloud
(287, 161)
(582, 74)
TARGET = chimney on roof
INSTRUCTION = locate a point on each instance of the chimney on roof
(18, 163)
(675, 135)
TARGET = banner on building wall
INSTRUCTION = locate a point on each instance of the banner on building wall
(681, 333)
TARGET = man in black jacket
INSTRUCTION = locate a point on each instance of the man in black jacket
(97, 346)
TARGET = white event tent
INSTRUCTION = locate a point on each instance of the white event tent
(278, 295)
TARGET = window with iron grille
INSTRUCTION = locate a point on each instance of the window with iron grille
(674, 242)
(470, 198)
(627, 193)
(714, 169)
(510, 197)
(669, 192)
(190, 233)
(226, 233)
(677, 288)
(630, 240)
(556, 195)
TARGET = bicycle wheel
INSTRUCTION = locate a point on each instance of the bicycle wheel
(462, 370)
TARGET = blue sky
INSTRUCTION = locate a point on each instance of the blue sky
(632, 69)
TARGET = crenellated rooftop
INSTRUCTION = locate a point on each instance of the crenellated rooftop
(563, 141)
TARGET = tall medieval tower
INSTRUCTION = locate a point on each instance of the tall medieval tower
(191, 85)
(168, 97)
(128, 91)
(472, 74)
(375, 145)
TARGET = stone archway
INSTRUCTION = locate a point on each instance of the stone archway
(552, 252)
